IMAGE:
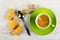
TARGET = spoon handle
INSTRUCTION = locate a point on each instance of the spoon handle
(27, 30)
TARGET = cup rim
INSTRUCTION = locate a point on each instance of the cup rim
(38, 17)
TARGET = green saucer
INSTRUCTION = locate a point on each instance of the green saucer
(35, 28)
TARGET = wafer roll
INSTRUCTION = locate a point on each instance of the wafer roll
(13, 24)
(10, 14)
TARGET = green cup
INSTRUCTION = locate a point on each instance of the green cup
(40, 30)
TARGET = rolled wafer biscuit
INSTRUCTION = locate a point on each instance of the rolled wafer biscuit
(13, 24)
(10, 14)
(17, 30)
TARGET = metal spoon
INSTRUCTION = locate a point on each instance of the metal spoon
(21, 16)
